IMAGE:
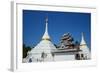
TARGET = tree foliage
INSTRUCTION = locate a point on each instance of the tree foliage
(25, 50)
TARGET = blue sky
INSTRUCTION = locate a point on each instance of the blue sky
(58, 24)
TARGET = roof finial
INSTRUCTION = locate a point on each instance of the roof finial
(82, 35)
(46, 19)
(82, 39)
(46, 28)
(46, 36)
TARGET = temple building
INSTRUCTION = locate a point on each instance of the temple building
(46, 51)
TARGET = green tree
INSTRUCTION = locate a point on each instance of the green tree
(25, 50)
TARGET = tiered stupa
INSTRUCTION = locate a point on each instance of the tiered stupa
(84, 49)
(43, 50)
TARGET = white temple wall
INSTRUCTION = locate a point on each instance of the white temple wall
(64, 57)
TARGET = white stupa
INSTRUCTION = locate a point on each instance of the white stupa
(84, 48)
(43, 50)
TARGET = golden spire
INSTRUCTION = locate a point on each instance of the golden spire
(46, 36)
